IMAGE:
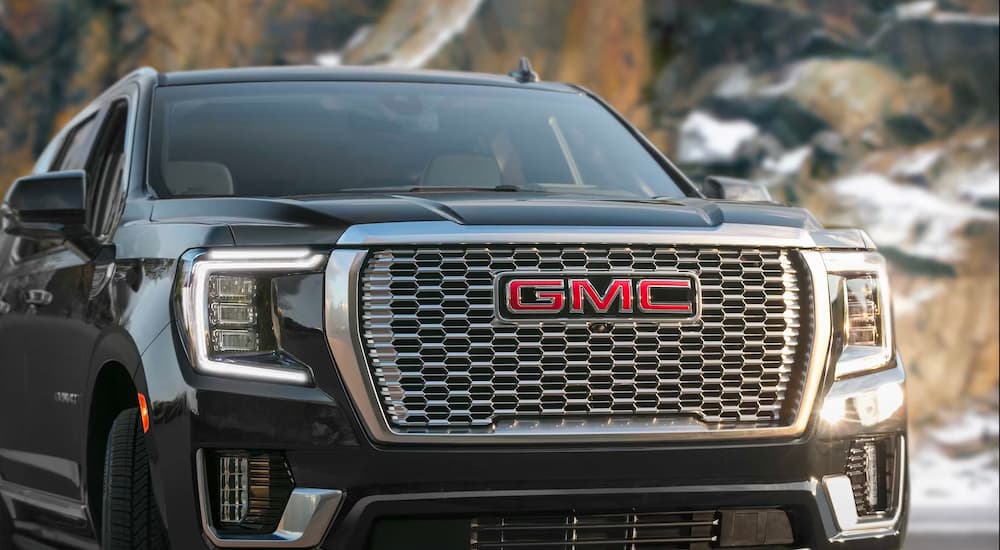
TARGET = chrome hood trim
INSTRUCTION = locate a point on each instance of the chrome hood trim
(727, 234)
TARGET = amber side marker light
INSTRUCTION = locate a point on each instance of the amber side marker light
(144, 413)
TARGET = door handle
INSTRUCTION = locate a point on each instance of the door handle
(38, 297)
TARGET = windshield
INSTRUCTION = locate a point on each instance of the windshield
(315, 138)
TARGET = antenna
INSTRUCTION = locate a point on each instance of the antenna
(523, 73)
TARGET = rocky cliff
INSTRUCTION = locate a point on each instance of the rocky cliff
(875, 113)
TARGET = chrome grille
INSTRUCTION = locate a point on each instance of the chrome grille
(441, 361)
(674, 530)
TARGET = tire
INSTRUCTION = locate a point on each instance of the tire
(130, 518)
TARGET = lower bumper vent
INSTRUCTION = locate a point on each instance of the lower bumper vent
(691, 530)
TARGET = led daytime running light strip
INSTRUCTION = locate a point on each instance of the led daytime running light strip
(194, 304)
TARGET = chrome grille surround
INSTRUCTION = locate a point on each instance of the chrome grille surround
(345, 331)
(442, 360)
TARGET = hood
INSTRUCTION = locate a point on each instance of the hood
(321, 220)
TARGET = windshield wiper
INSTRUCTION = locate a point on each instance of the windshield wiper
(502, 188)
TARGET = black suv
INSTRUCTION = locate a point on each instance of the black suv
(370, 309)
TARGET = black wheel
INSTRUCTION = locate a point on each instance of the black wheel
(130, 519)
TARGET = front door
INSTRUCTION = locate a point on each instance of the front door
(55, 321)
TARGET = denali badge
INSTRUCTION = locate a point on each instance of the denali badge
(568, 296)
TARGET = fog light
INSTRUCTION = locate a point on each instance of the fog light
(234, 489)
(251, 491)
(871, 467)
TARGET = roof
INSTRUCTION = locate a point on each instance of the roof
(349, 73)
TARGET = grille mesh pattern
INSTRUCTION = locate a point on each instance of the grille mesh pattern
(674, 530)
(441, 360)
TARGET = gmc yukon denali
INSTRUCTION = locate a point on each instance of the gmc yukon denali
(367, 309)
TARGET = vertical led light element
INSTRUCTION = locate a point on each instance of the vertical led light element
(871, 473)
(221, 307)
(234, 488)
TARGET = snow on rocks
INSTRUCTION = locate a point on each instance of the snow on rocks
(706, 139)
(911, 219)
(955, 464)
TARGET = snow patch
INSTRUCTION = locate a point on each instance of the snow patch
(357, 37)
(968, 429)
(965, 18)
(736, 84)
(911, 10)
(982, 184)
(788, 163)
(917, 164)
(909, 218)
(957, 466)
(336, 58)
(705, 139)
(329, 59)
(787, 84)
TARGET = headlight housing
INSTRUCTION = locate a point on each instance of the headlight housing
(860, 292)
(226, 309)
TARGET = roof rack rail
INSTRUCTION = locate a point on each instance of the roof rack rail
(524, 73)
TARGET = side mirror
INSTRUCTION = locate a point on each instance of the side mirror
(51, 206)
(735, 189)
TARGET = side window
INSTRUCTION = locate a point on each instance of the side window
(72, 156)
(75, 150)
(106, 170)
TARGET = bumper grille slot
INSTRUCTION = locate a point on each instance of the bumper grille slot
(442, 362)
(676, 530)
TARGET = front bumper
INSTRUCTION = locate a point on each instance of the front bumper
(327, 448)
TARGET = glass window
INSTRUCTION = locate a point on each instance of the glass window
(106, 174)
(76, 148)
(315, 138)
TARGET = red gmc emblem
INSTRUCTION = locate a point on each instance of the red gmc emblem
(596, 296)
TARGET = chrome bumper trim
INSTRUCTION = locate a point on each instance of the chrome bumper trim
(305, 522)
(344, 337)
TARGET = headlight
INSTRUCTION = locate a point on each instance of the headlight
(226, 309)
(860, 288)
